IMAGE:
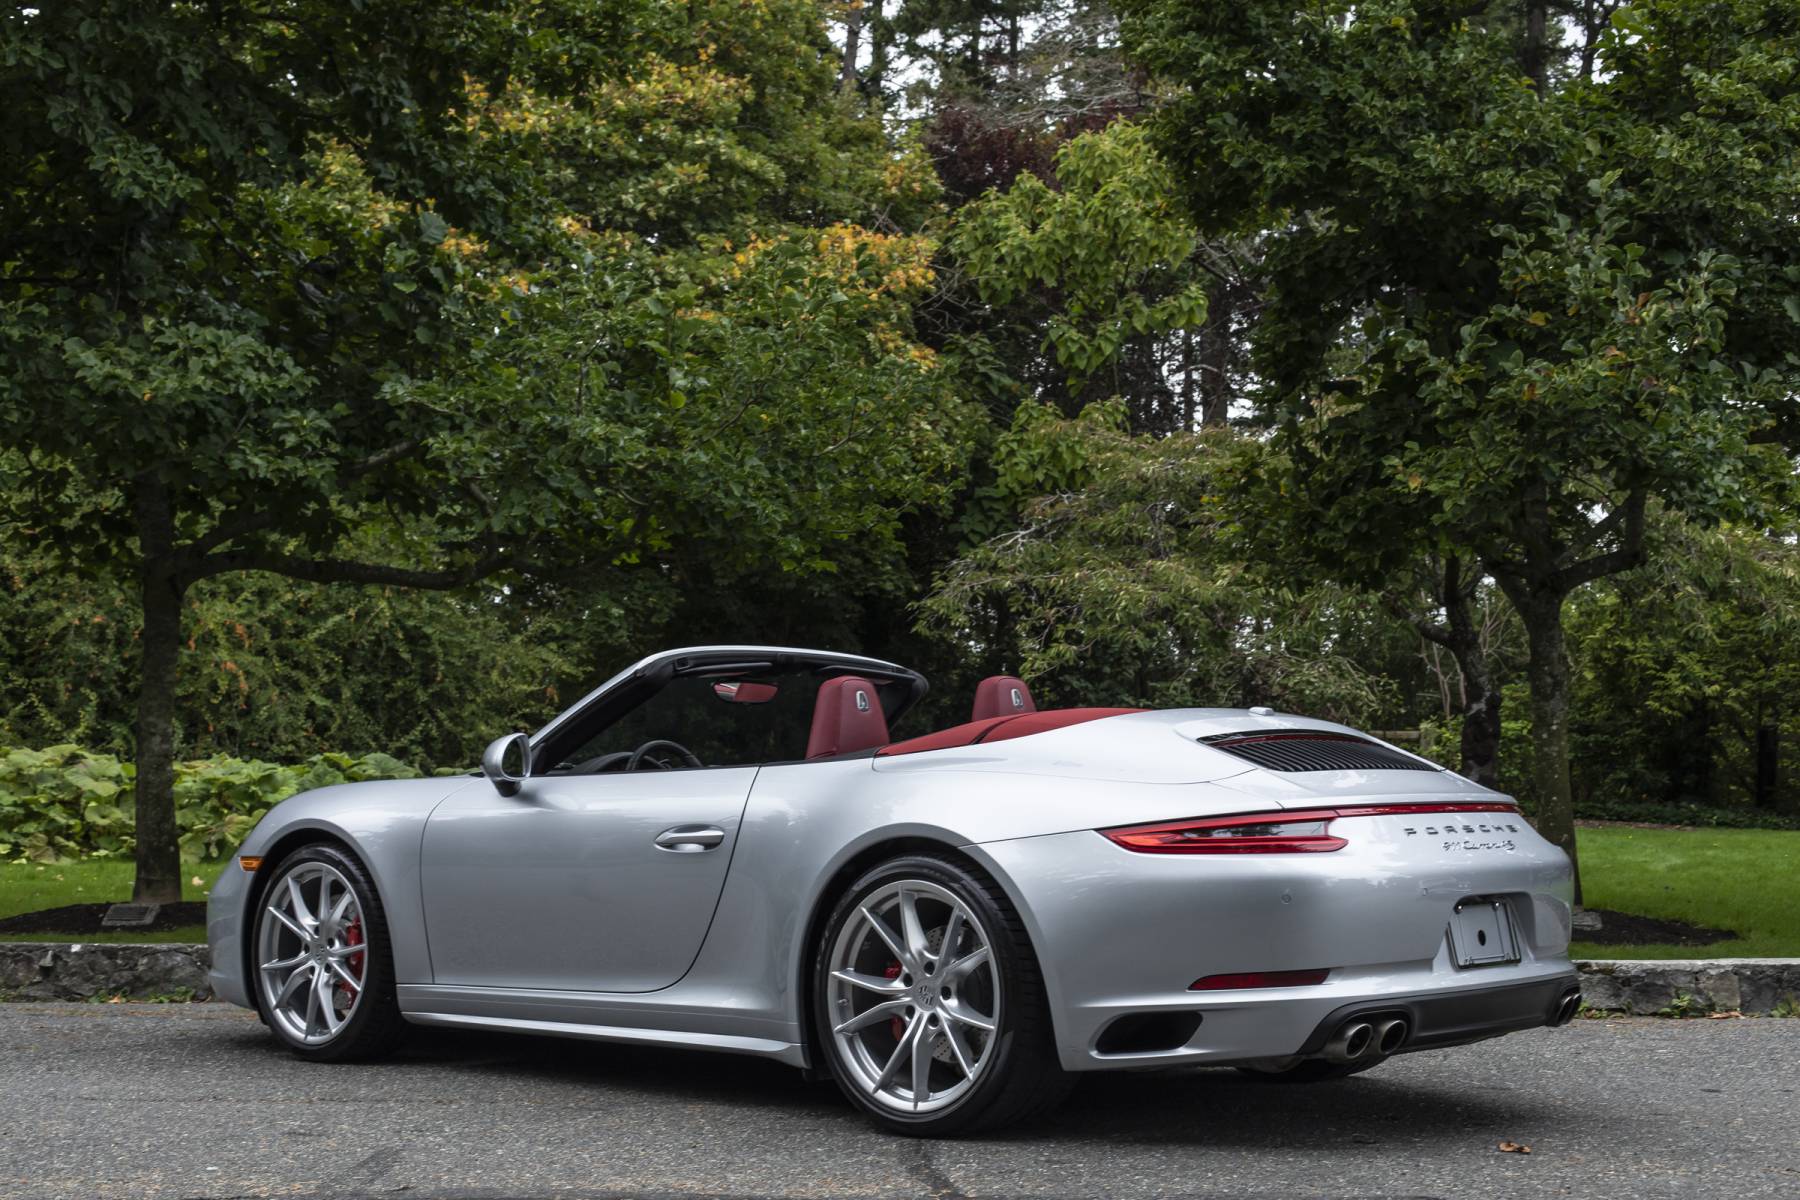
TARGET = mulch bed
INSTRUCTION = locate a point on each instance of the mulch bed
(1624, 929)
(78, 919)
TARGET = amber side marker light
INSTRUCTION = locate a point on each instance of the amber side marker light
(249, 862)
(1257, 979)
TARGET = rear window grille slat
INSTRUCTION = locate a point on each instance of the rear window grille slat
(1313, 751)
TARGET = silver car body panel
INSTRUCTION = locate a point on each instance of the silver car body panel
(553, 912)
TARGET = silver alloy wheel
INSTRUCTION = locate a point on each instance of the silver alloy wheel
(311, 952)
(913, 997)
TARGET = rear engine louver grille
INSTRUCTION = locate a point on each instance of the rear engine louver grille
(1307, 751)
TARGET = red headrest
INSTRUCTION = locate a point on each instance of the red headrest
(847, 717)
(1001, 696)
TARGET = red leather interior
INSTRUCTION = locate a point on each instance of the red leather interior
(943, 739)
(999, 729)
(1001, 696)
(847, 717)
(1044, 722)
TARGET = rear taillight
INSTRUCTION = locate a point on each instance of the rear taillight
(1296, 832)
(1266, 833)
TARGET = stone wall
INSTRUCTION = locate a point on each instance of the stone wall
(89, 970)
(1747, 985)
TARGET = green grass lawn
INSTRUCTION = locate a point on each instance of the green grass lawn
(28, 887)
(1745, 880)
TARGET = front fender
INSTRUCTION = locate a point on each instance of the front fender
(382, 822)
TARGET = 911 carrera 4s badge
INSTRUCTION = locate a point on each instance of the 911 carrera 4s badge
(1455, 836)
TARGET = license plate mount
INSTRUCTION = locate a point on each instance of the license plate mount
(1481, 933)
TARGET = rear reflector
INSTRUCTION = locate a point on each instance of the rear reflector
(1295, 832)
(1258, 979)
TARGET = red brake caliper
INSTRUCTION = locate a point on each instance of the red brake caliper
(896, 1025)
(352, 936)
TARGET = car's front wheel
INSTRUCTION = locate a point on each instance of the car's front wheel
(323, 968)
(931, 1012)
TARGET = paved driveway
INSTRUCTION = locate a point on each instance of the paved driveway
(196, 1101)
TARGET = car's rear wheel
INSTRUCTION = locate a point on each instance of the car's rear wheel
(323, 966)
(931, 1012)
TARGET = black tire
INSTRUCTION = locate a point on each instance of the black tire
(375, 1028)
(1313, 1070)
(1024, 1078)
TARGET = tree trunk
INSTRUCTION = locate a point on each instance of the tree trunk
(1535, 58)
(1215, 347)
(161, 588)
(1768, 763)
(853, 26)
(1481, 701)
(880, 38)
(1549, 676)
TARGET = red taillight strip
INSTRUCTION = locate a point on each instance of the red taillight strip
(1177, 837)
(1258, 979)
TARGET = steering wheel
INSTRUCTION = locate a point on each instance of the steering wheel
(606, 762)
(642, 753)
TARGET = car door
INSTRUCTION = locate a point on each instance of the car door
(580, 882)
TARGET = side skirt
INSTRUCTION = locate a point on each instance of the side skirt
(790, 1053)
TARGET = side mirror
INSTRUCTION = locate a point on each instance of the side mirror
(507, 763)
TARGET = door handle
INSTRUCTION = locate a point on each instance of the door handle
(690, 839)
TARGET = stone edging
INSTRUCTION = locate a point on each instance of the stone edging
(1683, 986)
(139, 970)
(90, 970)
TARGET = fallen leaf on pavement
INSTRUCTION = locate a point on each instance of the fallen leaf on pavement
(1733, 1015)
(1514, 1148)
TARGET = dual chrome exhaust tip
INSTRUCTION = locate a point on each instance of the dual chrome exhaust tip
(1566, 1008)
(1358, 1039)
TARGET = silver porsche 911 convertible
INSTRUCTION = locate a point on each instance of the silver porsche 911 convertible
(725, 848)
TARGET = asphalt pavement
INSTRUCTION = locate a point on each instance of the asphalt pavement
(197, 1101)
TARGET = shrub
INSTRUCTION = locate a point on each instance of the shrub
(65, 802)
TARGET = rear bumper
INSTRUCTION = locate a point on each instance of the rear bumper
(1121, 935)
(1455, 1018)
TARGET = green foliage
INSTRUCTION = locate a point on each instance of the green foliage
(1505, 307)
(278, 669)
(64, 802)
(1684, 673)
(1107, 246)
(301, 297)
(1604, 807)
(1123, 589)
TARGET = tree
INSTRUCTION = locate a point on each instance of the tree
(1560, 295)
(1102, 262)
(291, 293)
(1684, 671)
(1120, 585)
